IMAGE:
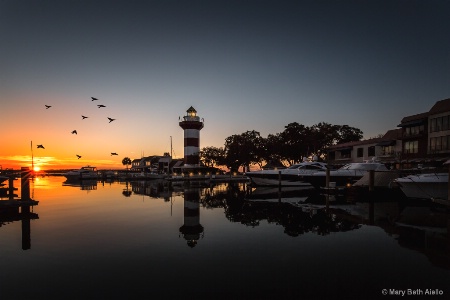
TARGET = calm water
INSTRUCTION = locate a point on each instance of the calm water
(143, 241)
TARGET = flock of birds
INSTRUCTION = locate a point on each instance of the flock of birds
(83, 117)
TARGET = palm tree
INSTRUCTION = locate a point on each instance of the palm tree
(126, 162)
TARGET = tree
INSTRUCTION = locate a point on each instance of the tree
(294, 142)
(243, 150)
(271, 150)
(126, 162)
(212, 156)
(349, 134)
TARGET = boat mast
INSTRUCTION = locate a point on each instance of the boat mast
(32, 157)
(171, 149)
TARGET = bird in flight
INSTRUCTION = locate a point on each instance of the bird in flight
(40, 146)
(110, 119)
(93, 98)
(84, 117)
(114, 153)
(74, 132)
(100, 105)
(47, 106)
(79, 156)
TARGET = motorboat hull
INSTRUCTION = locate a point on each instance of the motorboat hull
(425, 186)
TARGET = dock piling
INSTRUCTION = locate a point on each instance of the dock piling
(25, 182)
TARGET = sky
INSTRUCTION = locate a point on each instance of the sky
(243, 65)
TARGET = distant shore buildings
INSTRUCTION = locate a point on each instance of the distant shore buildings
(421, 140)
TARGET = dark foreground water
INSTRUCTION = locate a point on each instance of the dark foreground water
(161, 241)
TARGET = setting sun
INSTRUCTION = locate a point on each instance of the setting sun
(36, 168)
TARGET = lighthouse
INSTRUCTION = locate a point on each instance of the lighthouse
(191, 125)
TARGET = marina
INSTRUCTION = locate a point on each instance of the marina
(261, 242)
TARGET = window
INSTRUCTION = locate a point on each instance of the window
(440, 143)
(438, 124)
(411, 147)
(444, 145)
(360, 152)
(346, 154)
(416, 129)
(332, 155)
(432, 125)
(371, 151)
(445, 123)
(387, 150)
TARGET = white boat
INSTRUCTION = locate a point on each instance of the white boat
(425, 185)
(286, 177)
(344, 176)
(86, 172)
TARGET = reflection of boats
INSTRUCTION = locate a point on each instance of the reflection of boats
(86, 172)
(83, 184)
(146, 176)
(108, 174)
(424, 186)
(286, 177)
(293, 195)
(344, 176)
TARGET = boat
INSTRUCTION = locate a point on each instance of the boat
(424, 185)
(286, 177)
(344, 176)
(87, 172)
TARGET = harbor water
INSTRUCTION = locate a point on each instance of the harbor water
(179, 240)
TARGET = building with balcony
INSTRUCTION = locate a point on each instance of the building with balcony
(421, 140)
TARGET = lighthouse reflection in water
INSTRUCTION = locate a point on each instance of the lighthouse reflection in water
(191, 230)
(148, 238)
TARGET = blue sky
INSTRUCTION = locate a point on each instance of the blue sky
(244, 65)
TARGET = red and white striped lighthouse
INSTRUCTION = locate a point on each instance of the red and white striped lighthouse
(191, 125)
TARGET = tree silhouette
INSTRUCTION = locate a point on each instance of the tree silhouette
(126, 162)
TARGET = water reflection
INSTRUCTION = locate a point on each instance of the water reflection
(261, 244)
(415, 226)
(18, 213)
(83, 184)
(192, 230)
(299, 211)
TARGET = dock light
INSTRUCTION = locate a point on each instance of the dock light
(191, 174)
(349, 184)
(234, 174)
(207, 173)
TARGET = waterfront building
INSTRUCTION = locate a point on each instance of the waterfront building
(422, 140)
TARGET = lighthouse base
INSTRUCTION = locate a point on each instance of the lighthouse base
(195, 170)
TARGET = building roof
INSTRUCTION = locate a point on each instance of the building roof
(440, 107)
(393, 134)
(417, 117)
(191, 109)
(354, 143)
